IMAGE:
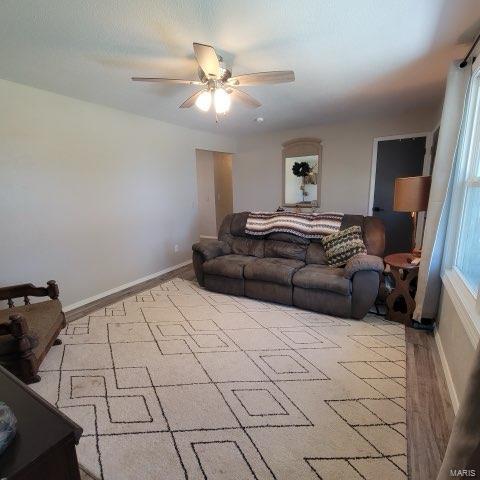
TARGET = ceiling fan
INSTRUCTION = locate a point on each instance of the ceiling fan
(217, 82)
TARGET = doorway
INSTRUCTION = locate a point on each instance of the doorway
(214, 190)
(393, 157)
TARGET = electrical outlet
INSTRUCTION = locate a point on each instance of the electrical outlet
(176, 248)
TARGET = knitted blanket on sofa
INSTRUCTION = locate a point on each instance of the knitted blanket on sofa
(306, 225)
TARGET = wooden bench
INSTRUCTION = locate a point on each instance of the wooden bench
(28, 331)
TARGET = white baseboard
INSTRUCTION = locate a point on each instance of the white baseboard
(209, 237)
(446, 371)
(85, 301)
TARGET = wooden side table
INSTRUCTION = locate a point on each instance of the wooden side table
(404, 273)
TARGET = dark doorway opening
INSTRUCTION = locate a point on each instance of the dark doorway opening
(396, 157)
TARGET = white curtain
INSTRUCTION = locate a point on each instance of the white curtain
(449, 140)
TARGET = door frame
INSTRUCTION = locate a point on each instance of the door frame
(373, 168)
(427, 160)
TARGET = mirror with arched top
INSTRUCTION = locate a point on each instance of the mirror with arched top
(301, 167)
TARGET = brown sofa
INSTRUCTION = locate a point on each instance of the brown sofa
(289, 269)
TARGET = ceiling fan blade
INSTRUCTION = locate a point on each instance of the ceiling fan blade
(207, 59)
(262, 78)
(245, 98)
(190, 101)
(169, 80)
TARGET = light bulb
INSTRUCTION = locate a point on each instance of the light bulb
(204, 100)
(221, 100)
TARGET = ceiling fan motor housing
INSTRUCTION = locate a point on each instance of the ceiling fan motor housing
(225, 72)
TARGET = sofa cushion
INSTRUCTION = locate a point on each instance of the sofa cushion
(277, 249)
(288, 237)
(238, 223)
(323, 278)
(349, 220)
(374, 236)
(316, 254)
(210, 248)
(343, 245)
(275, 270)
(373, 232)
(247, 246)
(228, 265)
(225, 227)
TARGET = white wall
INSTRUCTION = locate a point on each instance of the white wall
(456, 346)
(91, 196)
(346, 159)
(215, 191)
(206, 194)
(223, 186)
(95, 197)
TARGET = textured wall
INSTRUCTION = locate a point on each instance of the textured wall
(91, 196)
(457, 345)
(207, 220)
(346, 161)
(349, 57)
(223, 186)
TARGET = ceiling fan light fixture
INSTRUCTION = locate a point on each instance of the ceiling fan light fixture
(217, 85)
(221, 100)
(204, 101)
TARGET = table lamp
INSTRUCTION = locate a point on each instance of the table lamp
(411, 195)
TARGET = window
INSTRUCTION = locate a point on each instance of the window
(467, 249)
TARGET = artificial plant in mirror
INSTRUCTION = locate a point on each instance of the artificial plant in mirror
(301, 179)
(301, 172)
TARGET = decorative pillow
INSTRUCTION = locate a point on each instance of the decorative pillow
(343, 245)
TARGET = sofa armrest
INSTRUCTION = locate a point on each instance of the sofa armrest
(211, 248)
(361, 263)
(365, 285)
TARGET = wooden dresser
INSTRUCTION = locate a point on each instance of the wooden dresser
(44, 447)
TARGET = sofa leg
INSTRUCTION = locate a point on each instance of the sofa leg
(57, 342)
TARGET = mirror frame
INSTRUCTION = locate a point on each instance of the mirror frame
(300, 147)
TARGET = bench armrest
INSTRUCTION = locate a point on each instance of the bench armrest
(211, 248)
(29, 290)
(361, 263)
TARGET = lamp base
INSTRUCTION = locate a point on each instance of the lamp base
(413, 216)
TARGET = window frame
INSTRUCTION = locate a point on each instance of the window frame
(461, 291)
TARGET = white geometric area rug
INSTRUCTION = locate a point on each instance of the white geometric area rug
(179, 382)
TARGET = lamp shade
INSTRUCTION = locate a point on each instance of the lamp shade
(411, 194)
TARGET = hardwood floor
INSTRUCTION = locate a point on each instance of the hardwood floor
(184, 272)
(429, 410)
(85, 476)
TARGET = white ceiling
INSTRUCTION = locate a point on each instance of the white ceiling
(350, 57)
